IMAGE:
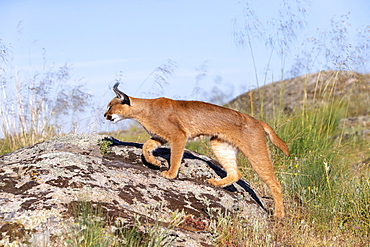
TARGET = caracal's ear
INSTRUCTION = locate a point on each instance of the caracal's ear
(120, 95)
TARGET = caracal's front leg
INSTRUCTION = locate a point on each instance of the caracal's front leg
(177, 150)
(148, 148)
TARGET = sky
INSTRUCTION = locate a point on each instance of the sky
(126, 40)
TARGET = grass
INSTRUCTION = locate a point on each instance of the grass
(322, 188)
(104, 146)
(93, 227)
(39, 107)
(320, 176)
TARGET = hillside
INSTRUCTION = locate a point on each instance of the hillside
(307, 90)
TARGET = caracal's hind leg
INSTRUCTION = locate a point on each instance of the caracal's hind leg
(256, 150)
(148, 148)
(226, 155)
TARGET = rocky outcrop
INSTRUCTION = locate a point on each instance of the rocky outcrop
(358, 126)
(309, 90)
(42, 185)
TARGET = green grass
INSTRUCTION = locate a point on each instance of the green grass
(319, 175)
(320, 183)
(105, 146)
(94, 228)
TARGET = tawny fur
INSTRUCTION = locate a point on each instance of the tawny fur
(176, 121)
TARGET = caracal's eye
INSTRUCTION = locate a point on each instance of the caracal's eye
(109, 107)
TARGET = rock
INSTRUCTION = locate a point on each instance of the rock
(358, 121)
(41, 187)
(308, 90)
(354, 127)
(364, 164)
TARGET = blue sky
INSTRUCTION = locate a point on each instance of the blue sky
(125, 39)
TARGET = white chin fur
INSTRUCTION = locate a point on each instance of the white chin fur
(116, 118)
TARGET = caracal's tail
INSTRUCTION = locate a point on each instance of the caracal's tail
(274, 138)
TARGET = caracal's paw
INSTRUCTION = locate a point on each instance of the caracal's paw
(167, 174)
(214, 182)
(279, 214)
(156, 162)
(152, 160)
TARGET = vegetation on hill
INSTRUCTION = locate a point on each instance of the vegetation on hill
(319, 88)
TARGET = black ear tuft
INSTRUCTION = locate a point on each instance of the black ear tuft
(120, 95)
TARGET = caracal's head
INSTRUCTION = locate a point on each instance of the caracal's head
(119, 108)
